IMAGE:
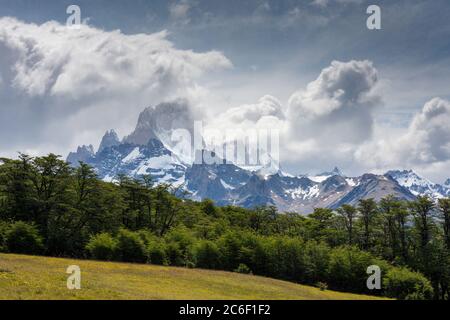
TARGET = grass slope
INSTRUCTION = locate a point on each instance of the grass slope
(30, 277)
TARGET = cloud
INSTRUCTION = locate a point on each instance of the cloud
(63, 85)
(428, 136)
(55, 60)
(425, 142)
(333, 115)
(320, 3)
(297, 16)
(337, 107)
(179, 11)
(267, 106)
(235, 123)
(326, 3)
(252, 125)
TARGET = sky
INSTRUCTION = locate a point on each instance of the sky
(341, 94)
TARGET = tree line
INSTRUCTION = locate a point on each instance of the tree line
(48, 207)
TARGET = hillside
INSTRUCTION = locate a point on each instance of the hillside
(31, 277)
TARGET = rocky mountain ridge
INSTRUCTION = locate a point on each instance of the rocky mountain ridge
(147, 152)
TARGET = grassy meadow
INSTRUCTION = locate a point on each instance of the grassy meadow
(32, 277)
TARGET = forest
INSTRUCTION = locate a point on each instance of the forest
(49, 208)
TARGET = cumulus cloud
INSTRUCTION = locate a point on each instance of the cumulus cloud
(55, 60)
(337, 106)
(251, 125)
(63, 85)
(429, 133)
(333, 115)
(267, 106)
(425, 144)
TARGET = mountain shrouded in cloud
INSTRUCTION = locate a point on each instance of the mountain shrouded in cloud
(267, 106)
(145, 152)
(66, 87)
(267, 114)
(160, 121)
(78, 82)
(332, 115)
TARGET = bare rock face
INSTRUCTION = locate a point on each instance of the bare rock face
(335, 172)
(83, 154)
(158, 122)
(110, 139)
(376, 187)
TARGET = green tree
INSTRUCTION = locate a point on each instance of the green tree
(367, 209)
(209, 208)
(320, 224)
(422, 210)
(207, 255)
(348, 215)
(444, 209)
(261, 219)
(394, 216)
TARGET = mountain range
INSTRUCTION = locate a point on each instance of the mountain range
(148, 151)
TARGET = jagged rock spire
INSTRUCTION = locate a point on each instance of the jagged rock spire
(110, 139)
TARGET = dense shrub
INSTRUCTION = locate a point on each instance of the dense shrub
(348, 269)
(207, 255)
(322, 286)
(243, 268)
(230, 245)
(180, 245)
(290, 260)
(3, 230)
(208, 207)
(130, 247)
(402, 283)
(175, 255)
(23, 238)
(317, 261)
(102, 247)
(183, 236)
(262, 258)
(157, 253)
(156, 248)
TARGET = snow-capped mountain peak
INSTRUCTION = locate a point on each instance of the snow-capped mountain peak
(149, 150)
(418, 185)
(325, 175)
(447, 183)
